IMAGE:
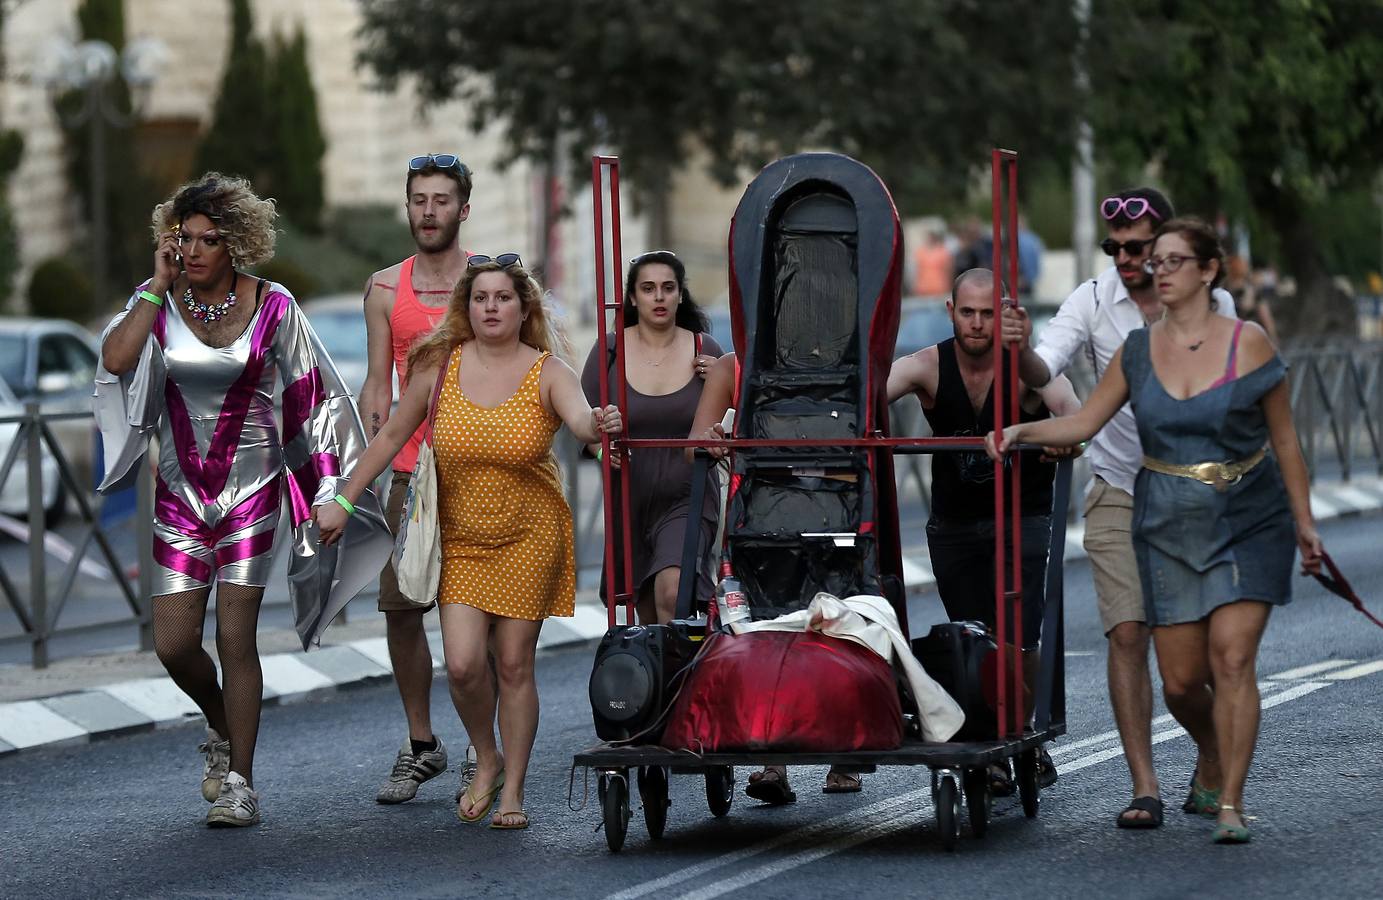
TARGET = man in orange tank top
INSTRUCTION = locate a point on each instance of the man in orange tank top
(402, 303)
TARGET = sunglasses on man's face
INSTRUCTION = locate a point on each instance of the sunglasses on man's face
(1133, 248)
(504, 260)
(441, 161)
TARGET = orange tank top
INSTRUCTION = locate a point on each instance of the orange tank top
(410, 320)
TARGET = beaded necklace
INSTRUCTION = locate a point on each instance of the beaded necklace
(209, 312)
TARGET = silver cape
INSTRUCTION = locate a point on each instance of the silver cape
(226, 471)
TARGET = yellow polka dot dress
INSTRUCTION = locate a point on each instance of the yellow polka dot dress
(506, 526)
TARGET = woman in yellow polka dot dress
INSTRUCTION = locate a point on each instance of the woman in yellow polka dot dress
(506, 528)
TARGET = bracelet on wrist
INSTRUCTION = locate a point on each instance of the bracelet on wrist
(345, 504)
(599, 454)
(151, 297)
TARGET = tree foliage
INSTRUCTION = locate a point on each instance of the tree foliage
(919, 89)
(234, 143)
(128, 194)
(295, 134)
(265, 125)
(11, 151)
(1261, 110)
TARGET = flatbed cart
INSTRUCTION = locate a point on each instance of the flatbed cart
(959, 770)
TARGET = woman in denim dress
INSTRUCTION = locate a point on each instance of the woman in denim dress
(1214, 511)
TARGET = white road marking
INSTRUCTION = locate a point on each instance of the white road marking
(1358, 671)
(792, 838)
(1355, 497)
(894, 820)
(1312, 669)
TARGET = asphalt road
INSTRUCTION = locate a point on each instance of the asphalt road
(122, 818)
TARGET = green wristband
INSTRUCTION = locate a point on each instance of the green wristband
(345, 504)
(151, 297)
(599, 453)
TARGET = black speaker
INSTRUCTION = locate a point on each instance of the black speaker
(636, 671)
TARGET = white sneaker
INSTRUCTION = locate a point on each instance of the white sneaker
(410, 771)
(217, 764)
(237, 806)
(467, 771)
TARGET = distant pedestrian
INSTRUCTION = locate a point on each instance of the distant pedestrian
(1214, 512)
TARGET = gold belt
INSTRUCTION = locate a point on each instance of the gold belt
(1219, 475)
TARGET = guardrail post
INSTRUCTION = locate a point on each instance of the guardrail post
(38, 574)
(144, 518)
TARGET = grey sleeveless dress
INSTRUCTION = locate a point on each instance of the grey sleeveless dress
(1199, 548)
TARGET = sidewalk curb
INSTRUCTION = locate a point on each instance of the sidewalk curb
(146, 704)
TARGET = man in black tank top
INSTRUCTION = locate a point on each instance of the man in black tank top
(954, 382)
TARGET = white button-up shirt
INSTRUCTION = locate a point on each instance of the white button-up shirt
(1095, 320)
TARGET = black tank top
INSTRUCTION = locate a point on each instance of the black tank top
(963, 482)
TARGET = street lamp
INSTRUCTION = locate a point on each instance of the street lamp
(91, 67)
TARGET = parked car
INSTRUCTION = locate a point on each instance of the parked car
(339, 320)
(53, 361)
(14, 492)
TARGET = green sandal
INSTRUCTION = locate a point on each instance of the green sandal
(1207, 801)
(1231, 834)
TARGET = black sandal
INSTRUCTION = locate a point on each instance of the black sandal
(1150, 805)
(1000, 779)
(771, 787)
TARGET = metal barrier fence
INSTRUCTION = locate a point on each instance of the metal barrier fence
(1336, 396)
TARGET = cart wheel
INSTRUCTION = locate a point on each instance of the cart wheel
(1028, 788)
(978, 800)
(653, 791)
(948, 811)
(720, 789)
(615, 804)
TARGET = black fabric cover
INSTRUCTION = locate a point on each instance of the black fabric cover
(816, 265)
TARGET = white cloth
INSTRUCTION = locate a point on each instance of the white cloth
(1095, 320)
(869, 621)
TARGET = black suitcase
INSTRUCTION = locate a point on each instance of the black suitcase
(635, 676)
(954, 653)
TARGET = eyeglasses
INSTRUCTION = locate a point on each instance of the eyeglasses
(647, 253)
(1133, 208)
(439, 160)
(1112, 247)
(504, 260)
(1171, 262)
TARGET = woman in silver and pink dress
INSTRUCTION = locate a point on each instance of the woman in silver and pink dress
(195, 357)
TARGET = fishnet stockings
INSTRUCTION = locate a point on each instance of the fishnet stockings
(233, 710)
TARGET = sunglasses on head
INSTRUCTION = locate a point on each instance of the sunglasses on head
(441, 161)
(1133, 208)
(1112, 247)
(504, 260)
(647, 253)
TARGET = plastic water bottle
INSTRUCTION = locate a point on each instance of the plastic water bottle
(731, 603)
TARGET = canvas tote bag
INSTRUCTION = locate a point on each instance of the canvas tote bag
(418, 547)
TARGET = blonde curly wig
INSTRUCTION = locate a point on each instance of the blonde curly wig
(245, 222)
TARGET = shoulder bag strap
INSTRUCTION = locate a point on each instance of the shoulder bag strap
(437, 392)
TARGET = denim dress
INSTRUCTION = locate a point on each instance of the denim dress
(1199, 547)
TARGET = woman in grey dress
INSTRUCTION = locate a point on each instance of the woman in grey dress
(668, 355)
(1214, 511)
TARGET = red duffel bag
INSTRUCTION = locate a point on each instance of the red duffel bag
(786, 691)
